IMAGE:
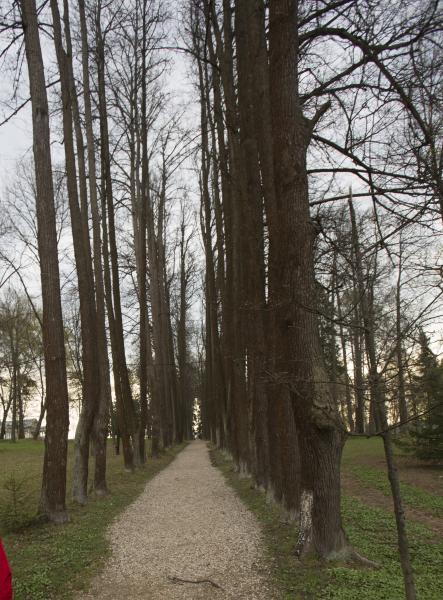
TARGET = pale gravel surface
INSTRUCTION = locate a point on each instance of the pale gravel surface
(188, 523)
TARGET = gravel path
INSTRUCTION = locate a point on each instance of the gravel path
(187, 524)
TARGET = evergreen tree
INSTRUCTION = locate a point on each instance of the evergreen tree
(427, 437)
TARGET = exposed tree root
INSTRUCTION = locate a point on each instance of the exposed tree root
(356, 559)
(347, 555)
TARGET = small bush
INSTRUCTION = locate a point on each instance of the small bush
(15, 511)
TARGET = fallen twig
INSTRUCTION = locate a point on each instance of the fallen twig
(181, 580)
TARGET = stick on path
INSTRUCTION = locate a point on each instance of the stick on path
(187, 537)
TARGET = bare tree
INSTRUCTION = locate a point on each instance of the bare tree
(52, 502)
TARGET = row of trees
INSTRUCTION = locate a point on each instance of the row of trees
(315, 296)
(297, 101)
(123, 147)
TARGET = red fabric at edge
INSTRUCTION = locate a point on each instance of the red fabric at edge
(5, 576)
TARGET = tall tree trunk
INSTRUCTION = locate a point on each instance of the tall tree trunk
(358, 340)
(402, 406)
(224, 213)
(381, 420)
(186, 397)
(365, 307)
(100, 426)
(299, 363)
(36, 432)
(284, 469)
(53, 495)
(21, 411)
(158, 400)
(6, 404)
(125, 406)
(253, 286)
(141, 255)
(213, 351)
(80, 238)
(167, 358)
(234, 405)
(349, 411)
(14, 397)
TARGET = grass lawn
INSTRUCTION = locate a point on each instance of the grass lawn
(421, 483)
(48, 561)
(371, 530)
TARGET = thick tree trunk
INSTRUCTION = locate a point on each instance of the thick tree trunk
(284, 461)
(253, 302)
(164, 411)
(234, 406)
(299, 363)
(223, 227)
(52, 501)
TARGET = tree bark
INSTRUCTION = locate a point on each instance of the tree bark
(402, 405)
(349, 411)
(100, 426)
(125, 406)
(141, 255)
(299, 363)
(53, 494)
(82, 258)
(36, 433)
(253, 302)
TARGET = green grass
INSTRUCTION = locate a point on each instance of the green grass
(49, 562)
(374, 476)
(371, 531)
(357, 447)
(412, 495)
